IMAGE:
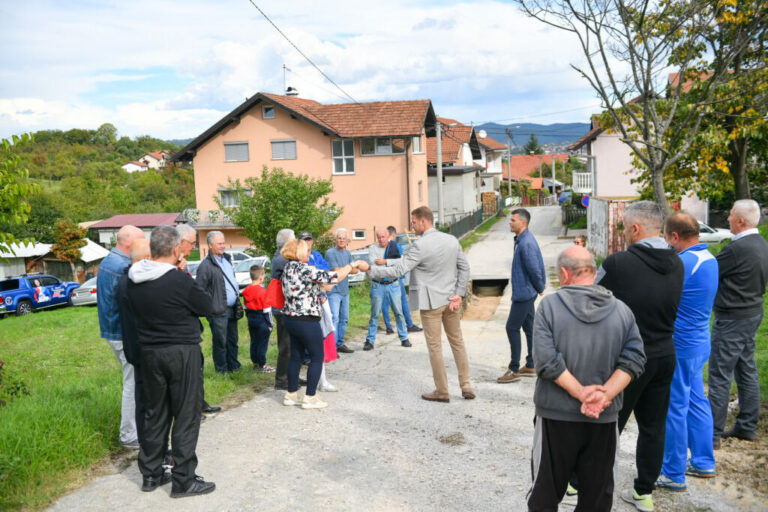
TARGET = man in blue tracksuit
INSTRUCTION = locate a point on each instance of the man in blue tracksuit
(689, 417)
(528, 281)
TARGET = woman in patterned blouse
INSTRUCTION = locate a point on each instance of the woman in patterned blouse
(302, 286)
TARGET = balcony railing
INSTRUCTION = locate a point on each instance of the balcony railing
(582, 182)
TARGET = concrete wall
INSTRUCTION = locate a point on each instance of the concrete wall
(376, 195)
(460, 194)
(614, 168)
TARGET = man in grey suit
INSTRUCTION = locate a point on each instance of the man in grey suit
(439, 277)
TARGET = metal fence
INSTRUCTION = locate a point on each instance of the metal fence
(571, 213)
(461, 226)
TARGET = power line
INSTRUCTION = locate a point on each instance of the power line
(303, 54)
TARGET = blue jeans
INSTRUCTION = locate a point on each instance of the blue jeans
(404, 302)
(689, 420)
(340, 313)
(520, 315)
(378, 292)
(259, 329)
(224, 341)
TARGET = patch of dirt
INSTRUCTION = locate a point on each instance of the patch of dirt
(742, 466)
(480, 308)
(453, 439)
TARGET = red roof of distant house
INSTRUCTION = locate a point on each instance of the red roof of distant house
(140, 220)
(136, 162)
(157, 155)
(524, 165)
(491, 143)
(454, 134)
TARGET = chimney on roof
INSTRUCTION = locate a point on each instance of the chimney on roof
(291, 91)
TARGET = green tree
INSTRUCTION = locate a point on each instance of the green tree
(15, 189)
(278, 200)
(629, 45)
(68, 239)
(532, 147)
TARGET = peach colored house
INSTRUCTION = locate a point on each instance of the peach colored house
(372, 152)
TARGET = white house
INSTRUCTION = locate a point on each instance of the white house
(135, 166)
(155, 159)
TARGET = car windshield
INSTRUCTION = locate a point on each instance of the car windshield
(90, 282)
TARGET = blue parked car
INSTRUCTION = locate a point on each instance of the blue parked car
(31, 292)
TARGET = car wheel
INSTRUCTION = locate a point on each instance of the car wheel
(24, 308)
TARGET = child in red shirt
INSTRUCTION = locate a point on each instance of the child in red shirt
(259, 316)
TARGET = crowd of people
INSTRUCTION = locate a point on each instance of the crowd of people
(629, 337)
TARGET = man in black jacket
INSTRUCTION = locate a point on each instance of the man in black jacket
(166, 304)
(738, 311)
(647, 277)
(216, 276)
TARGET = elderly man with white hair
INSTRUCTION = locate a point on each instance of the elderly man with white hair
(738, 311)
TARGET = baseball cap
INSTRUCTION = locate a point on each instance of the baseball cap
(305, 235)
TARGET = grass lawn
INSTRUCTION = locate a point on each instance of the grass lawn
(482, 229)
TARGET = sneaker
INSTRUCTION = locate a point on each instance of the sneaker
(367, 345)
(196, 487)
(571, 491)
(740, 434)
(291, 399)
(328, 388)
(692, 470)
(344, 349)
(406, 343)
(414, 328)
(664, 482)
(527, 372)
(571, 496)
(312, 402)
(267, 369)
(642, 502)
(390, 330)
(508, 377)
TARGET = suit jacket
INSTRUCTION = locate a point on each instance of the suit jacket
(438, 270)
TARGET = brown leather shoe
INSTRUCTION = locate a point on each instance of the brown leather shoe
(436, 397)
(468, 394)
(508, 377)
(527, 372)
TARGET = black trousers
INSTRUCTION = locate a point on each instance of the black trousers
(139, 399)
(173, 394)
(283, 353)
(563, 448)
(648, 398)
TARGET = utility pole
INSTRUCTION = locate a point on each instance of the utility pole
(284, 68)
(509, 164)
(592, 160)
(554, 162)
(440, 212)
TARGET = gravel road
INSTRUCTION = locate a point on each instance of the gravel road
(378, 446)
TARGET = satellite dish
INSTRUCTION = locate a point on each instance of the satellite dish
(482, 134)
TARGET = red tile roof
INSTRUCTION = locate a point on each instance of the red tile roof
(136, 162)
(588, 137)
(157, 155)
(140, 220)
(454, 134)
(491, 143)
(524, 165)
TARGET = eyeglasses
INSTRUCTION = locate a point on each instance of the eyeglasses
(193, 244)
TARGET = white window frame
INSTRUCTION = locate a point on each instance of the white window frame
(230, 192)
(343, 157)
(377, 152)
(264, 110)
(237, 143)
(416, 141)
(358, 234)
(283, 141)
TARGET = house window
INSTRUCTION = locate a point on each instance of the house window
(268, 112)
(382, 146)
(236, 151)
(343, 156)
(417, 144)
(358, 234)
(228, 198)
(283, 150)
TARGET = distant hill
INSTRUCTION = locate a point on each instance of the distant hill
(546, 133)
(180, 142)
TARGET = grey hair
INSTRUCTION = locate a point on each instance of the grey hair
(283, 236)
(162, 241)
(646, 213)
(213, 234)
(341, 230)
(186, 230)
(565, 260)
(749, 210)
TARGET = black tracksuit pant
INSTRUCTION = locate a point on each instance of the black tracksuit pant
(173, 395)
(648, 398)
(283, 353)
(564, 448)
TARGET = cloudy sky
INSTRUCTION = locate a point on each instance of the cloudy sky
(171, 68)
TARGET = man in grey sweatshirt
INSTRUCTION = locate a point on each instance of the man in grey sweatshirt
(586, 349)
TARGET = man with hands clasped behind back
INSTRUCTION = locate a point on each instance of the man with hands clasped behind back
(586, 350)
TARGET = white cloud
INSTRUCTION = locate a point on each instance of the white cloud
(476, 60)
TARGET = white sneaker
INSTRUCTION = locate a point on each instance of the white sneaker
(291, 399)
(328, 387)
(312, 402)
